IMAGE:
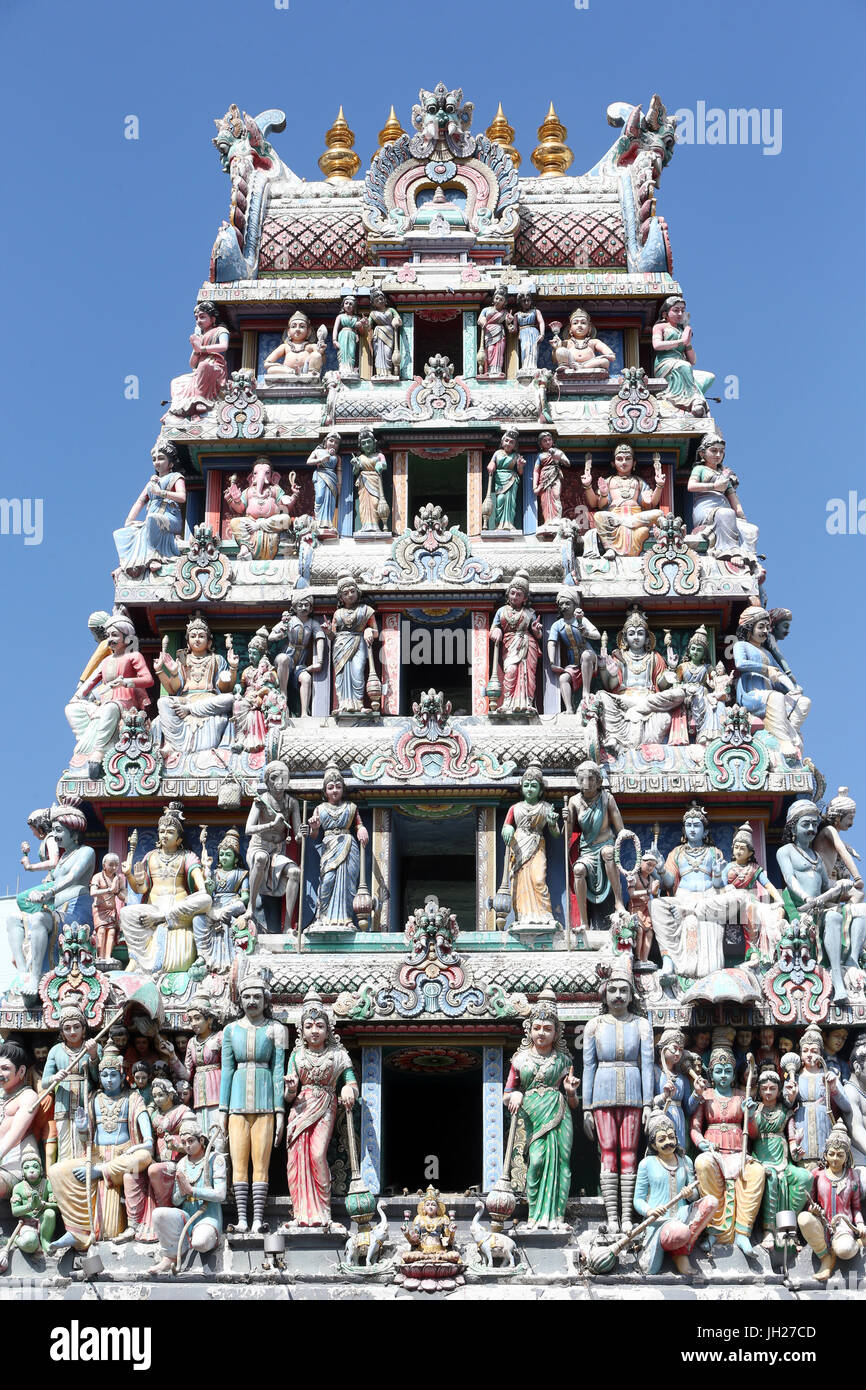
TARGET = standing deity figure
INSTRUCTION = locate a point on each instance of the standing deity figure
(754, 902)
(167, 1113)
(717, 512)
(641, 702)
(617, 1089)
(675, 358)
(61, 900)
(673, 1091)
(301, 641)
(262, 512)
(594, 816)
(529, 324)
(707, 688)
(299, 354)
(517, 630)
(119, 682)
(229, 889)
(816, 1097)
(369, 465)
(582, 351)
(117, 1128)
(505, 470)
(624, 507)
(523, 837)
(159, 930)
(72, 1080)
(195, 711)
(833, 1223)
(786, 1186)
(197, 1197)
(493, 323)
(572, 633)
(343, 837)
(273, 822)
(251, 1096)
(665, 1173)
(19, 1116)
(690, 924)
(261, 704)
(348, 326)
(146, 544)
(543, 1090)
(353, 631)
(547, 472)
(723, 1169)
(809, 889)
(107, 896)
(317, 1065)
(195, 392)
(325, 462)
(203, 1054)
(384, 330)
(34, 1207)
(643, 886)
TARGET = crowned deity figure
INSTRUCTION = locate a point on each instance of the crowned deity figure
(529, 324)
(384, 330)
(228, 885)
(642, 702)
(195, 711)
(251, 1096)
(353, 631)
(523, 836)
(690, 924)
(762, 686)
(624, 507)
(432, 1237)
(678, 1087)
(717, 513)
(195, 392)
(159, 930)
(261, 705)
(582, 351)
(665, 1173)
(516, 633)
(673, 339)
(117, 685)
(272, 824)
(815, 1096)
(755, 903)
(369, 466)
(505, 470)
(108, 896)
(343, 838)
(348, 327)
(594, 816)
(707, 687)
(786, 1185)
(832, 1223)
(202, 1060)
(494, 321)
(723, 1167)
(550, 463)
(263, 511)
(809, 889)
(301, 641)
(316, 1066)
(299, 353)
(146, 544)
(325, 463)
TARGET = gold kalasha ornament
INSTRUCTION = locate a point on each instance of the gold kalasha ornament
(391, 130)
(339, 163)
(552, 156)
(501, 133)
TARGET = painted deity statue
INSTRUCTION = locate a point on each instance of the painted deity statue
(251, 1096)
(385, 325)
(39, 822)
(299, 354)
(722, 1171)
(369, 465)
(582, 351)
(34, 1207)
(755, 903)
(550, 463)
(809, 889)
(673, 1089)
(229, 889)
(493, 324)
(529, 324)
(353, 631)
(118, 685)
(571, 635)
(594, 815)
(301, 642)
(624, 507)
(198, 1192)
(432, 1237)
(816, 1097)
(96, 625)
(263, 512)
(273, 822)
(317, 1065)
(348, 326)
(855, 1091)
(690, 924)
(786, 1186)
(516, 633)
(707, 688)
(195, 711)
(641, 702)
(166, 1116)
(717, 513)
(833, 1224)
(543, 1090)
(19, 1116)
(523, 837)
(72, 1080)
(763, 688)
(505, 470)
(195, 392)
(159, 930)
(107, 896)
(146, 544)
(343, 836)
(675, 359)
(261, 706)
(325, 463)
(643, 886)
(840, 860)
(667, 1172)
(203, 1054)
(617, 1089)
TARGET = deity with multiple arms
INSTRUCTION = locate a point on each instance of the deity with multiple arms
(159, 930)
(624, 506)
(195, 712)
(263, 511)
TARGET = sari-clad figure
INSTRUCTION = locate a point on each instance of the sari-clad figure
(369, 465)
(315, 1068)
(624, 506)
(642, 702)
(146, 543)
(325, 462)
(717, 513)
(353, 629)
(530, 330)
(505, 470)
(385, 324)
(786, 1186)
(523, 836)
(348, 325)
(202, 1060)
(196, 391)
(675, 359)
(550, 464)
(516, 630)
(343, 835)
(493, 321)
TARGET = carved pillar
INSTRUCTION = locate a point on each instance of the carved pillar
(250, 351)
(470, 344)
(480, 661)
(371, 1117)
(492, 1118)
(346, 505)
(381, 886)
(400, 501)
(321, 701)
(213, 498)
(475, 484)
(389, 656)
(407, 345)
(485, 866)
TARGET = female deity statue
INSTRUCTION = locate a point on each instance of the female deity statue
(762, 686)
(353, 630)
(347, 328)
(274, 821)
(146, 544)
(690, 925)
(721, 1168)
(325, 462)
(641, 702)
(493, 321)
(833, 1224)
(505, 470)
(817, 1098)
(717, 513)
(196, 391)
(298, 354)
(624, 506)
(530, 330)
(251, 1096)
(385, 325)
(517, 629)
(77, 1079)
(523, 837)
(547, 478)
(203, 1053)
(166, 1115)
(707, 688)
(756, 903)
(317, 1065)
(263, 511)
(595, 816)
(582, 351)
(542, 1087)
(433, 1260)
(118, 685)
(673, 1091)
(343, 837)
(667, 1172)
(675, 358)
(261, 705)
(159, 930)
(228, 886)
(195, 712)
(369, 465)
(809, 888)
(301, 641)
(786, 1187)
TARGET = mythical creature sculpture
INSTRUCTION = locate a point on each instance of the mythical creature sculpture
(442, 117)
(251, 163)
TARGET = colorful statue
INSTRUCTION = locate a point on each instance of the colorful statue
(147, 544)
(325, 462)
(345, 336)
(263, 512)
(517, 628)
(755, 903)
(274, 820)
(572, 632)
(353, 631)
(299, 354)
(664, 1173)
(833, 1224)
(167, 1115)
(717, 512)
(120, 682)
(384, 331)
(617, 1089)
(369, 465)
(493, 322)
(71, 1080)
(195, 392)
(673, 1091)
(19, 1116)
(317, 1064)
(528, 322)
(816, 1097)
(107, 896)
(834, 1041)
(707, 688)
(594, 816)
(547, 473)
(543, 1089)
(786, 1187)
(675, 358)
(641, 702)
(643, 885)
(433, 1260)
(780, 626)
(228, 886)
(195, 712)
(198, 1192)
(690, 925)
(34, 1207)
(301, 641)
(505, 470)
(841, 861)
(344, 837)
(724, 1169)
(261, 705)
(40, 823)
(582, 351)
(808, 889)
(159, 929)
(203, 1056)
(624, 507)
(523, 837)
(96, 625)
(855, 1091)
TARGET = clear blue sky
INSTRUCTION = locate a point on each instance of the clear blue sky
(105, 242)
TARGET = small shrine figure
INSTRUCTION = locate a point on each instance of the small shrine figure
(665, 1173)
(617, 1089)
(529, 324)
(384, 332)
(348, 326)
(369, 465)
(263, 511)
(274, 820)
(261, 706)
(344, 836)
(717, 512)
(195, 392)
(195, 711)
(641, 702)
(301, 642)
(689, 925)
(318, 1063)
(786, 1186)
(550, 463)
(543, 1089)
(516, 629)
(675, 358)
(202, 1059)
(673, 1091)
(75, 1078)
(198, 1193)
(146, 545)
(108, 896)
(159, 929)
(353, 631)
(505, 470)
(582, 351)
(808, 888)
(756, 903)
(228, 886)
(707, 688)
(34, 1207)
(624, 507)
(433, 1260)
(816, 1097)
(19, 1116)
(325, 462)
(118, 684)
(299, 354)
(643, 886)
(594, 815)
(833, 1222)
(166, 1115)
(493, 323)
(723, 1169)
(251, 1096)
(523, 837)
(572, 633)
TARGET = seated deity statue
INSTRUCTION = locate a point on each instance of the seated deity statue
(299, 354)
(582, 351)
(195, 713)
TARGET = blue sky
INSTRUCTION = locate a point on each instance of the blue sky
(105, 242)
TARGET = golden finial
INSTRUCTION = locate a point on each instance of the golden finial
(552, 157)
(391, 130)
(339, 163)
(501, 133)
